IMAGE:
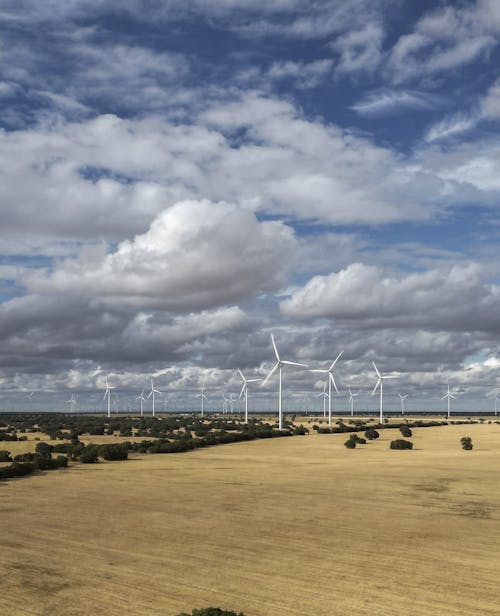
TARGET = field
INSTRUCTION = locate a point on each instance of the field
(282, 527)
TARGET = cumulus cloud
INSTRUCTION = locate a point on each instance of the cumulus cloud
(448, 299)
(195, 255)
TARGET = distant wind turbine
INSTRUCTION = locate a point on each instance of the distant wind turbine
(279, 365)
(202, 397)
(107, 394)
(72, 403)
(496, 400)
(402, 398)
(142, 400)
(448, 395)
(351, 400)
(152, 394)
(331, 380)
(380, 384)
(244, 390)
(323, 393)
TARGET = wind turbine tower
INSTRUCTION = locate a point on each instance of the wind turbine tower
(279, 366)
(202, 397)
(351, 400)
(244, 390)
(107, 394)
(152, 395)
(402, 398)
(142, 400)
(448, 395)
(380, 384)
(331, 381)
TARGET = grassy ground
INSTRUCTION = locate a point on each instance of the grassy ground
(282, 527)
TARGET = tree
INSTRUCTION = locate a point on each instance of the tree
(212, 611)
(401, 444)
(466, 443)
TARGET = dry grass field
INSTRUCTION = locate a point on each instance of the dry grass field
(286, 527)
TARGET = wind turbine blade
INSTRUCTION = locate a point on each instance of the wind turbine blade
(253, 380)
(105, 394)
(293, 363)
(243, 387)
(273, 370)
(275, 349)
(376, 386)
(376, 369)
(333, 382)
(336, 359)
(241, 374)
(391, 376)
(316, 370)
(445, 396)
(452, 396)
(150, 394)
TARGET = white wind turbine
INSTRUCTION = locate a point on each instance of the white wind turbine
(351, 400)
(380, 383)
(152, 394)
(323, 393)
(496, 400)
(72, 403)
(279, 365)
(331, 380)
(203, 397)
(142, 399)
(449, 396)
(402, 398)
(107, 394)
(244, 390)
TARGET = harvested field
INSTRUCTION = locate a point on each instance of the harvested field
(280, 527)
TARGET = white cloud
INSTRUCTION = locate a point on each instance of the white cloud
(305, 75)
(491, 102)
(451, 126)
(359, 50)
(448, 299)
(387, 102)
(196, 255)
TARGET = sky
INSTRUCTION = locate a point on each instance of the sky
(180, 179)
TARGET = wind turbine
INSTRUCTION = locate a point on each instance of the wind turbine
(279, 365)
(323, 393)
(380, 383)
(203, 397)
(244, 390)
(402, 398)
(449, 396)
(152, 393)
(496, 399)
(142, 399)
(331, 380)
(351, 400)
(107, 394)
(72, 403)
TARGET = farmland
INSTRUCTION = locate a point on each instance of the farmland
(273, 527)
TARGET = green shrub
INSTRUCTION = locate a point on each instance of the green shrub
(371, 434)
(466, 443)
(405, 431)
(401, 444)
(350, 443)
(89, 455)
(5, 456)
(117, 451)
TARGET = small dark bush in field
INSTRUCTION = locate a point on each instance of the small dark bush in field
(5, 456)
(89, 455)
(405, 430)
(315, 427)
(300, 431)
(118, 451)
(401, 444)
(212, 611)
(371, 434)
(44, 449)
(466, 443)
(350, 443)
(324, 431)
(360, 441)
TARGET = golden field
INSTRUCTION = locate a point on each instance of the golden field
(284, 527)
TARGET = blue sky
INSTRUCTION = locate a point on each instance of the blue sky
(181, 179)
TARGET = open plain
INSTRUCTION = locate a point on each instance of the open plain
(277, 527)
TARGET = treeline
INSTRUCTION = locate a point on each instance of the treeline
(403, 427)
(28, 463)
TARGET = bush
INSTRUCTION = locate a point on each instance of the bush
(401, 444)
(118, 451)
(371, 434)
(466, 443)
(350, 443)
(300, 431)
(5, 456)
(212, 611)
(89, 455)
(405, 430)
(44, 449)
